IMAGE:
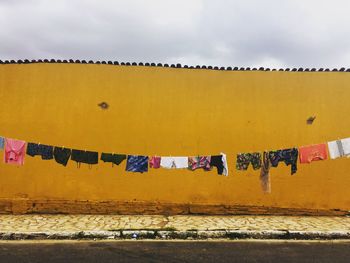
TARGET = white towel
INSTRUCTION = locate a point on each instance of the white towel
(224, 160)
(174, 162)
(339, 148)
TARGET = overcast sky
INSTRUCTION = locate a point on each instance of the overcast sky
(269, 33)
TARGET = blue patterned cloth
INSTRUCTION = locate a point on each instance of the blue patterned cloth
(2, 143)
(137, 163)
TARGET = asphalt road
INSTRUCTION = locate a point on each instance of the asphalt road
(152, 251)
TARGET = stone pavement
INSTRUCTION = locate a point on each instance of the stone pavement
(176, 227)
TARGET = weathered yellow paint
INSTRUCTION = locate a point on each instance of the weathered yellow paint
(166, 111)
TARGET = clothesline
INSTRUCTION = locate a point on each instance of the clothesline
(135, 163)
(124, 153)
(170, 155)
(331, 144)
(15, 151)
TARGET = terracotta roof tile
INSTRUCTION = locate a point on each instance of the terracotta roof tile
(178, 65)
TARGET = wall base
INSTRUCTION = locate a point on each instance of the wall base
(26, 206)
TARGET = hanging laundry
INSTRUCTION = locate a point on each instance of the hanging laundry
(137, 163)
(113, 158)
(87, 157)
(14, 151)
(224, 160)
(220, 162)
(91, 157)
(46, 151)
(174, 162)
(196, 162)
(32, 149)
(62, 155)
(154, 162)
(288, 156)
(265, 173)
(339, 148)
(217, 161)
(78, 156)
(244, 159)
(2, 143)
(315, 152)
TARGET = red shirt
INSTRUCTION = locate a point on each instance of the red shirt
(315, 152)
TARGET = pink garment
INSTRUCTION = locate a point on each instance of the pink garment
(195, 162)
(14, 151)
(154, 162)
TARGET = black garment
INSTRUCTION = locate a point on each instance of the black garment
(62, 155)
(46, 151)
(113, 158)
(91, 157)
(216, 161)
(84, 156)
(288, 156)
(77, 155)
(32, 149)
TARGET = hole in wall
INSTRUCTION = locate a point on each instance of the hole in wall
(310, 120)
(103, 105)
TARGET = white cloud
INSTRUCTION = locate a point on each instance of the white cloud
(271, 33)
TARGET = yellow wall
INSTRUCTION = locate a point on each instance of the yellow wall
(167, 111)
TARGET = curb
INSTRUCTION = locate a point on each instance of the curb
(177, 235)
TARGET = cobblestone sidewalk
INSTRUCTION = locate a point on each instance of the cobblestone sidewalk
(80, 226)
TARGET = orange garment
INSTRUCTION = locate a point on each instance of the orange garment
(315, 152)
